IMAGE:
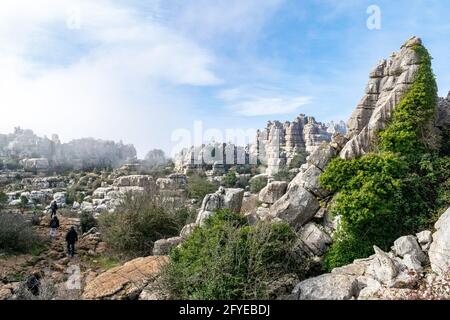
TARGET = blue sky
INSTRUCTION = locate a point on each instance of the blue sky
(141, 71)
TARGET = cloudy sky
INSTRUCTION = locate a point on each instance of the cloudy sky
(146, 72)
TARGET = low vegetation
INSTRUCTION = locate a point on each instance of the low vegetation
(228, 259)
(199, 186)
(18, 235)
(138, 222)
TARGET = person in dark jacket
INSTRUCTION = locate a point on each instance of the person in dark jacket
(71, 238)
(53, 207)
(54, 225)
(34, 283)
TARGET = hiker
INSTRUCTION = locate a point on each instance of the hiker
(34, 283)
(54, 225)
(71, 238)
(53, 207)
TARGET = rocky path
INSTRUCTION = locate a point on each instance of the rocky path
(65, 275)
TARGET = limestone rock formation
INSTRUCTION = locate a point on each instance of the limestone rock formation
(278, 143)
(162, 247)
(326, 287)
(272, 192)
(274, 146)
(40, 153)
(134, 180)
(127, 281)
(222, 199)
(301, 201)
(372, 277)
(388, 82)
(439, 252)
(313, 240)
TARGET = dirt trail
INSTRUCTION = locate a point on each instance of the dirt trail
(68, 275)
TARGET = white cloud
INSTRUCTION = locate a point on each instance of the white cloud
(114, 88)
(262, 101)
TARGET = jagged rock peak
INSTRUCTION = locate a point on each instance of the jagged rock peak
(388, 82)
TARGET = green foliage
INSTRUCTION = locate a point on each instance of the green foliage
(230, 179)
(298, 159)
(396, 190)
(257, 183)
(17, 235)
(23, 202)
(139, 221)
(198, 187)
(87, 221)
(228, 259)
(407, 132)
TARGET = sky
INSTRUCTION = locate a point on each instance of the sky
(171, 73)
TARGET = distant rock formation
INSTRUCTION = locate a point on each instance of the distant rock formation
(275, 146)
(42, 153)
(278, 143)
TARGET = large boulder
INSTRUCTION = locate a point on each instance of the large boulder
(296, 207)
(327, 287)
(313, 240)
(272, 192)
(162, 247)
(439, 252)
(127, 281)
(223, 198)
(408, 245)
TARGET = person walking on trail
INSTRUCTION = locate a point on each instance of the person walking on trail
(53, 207)
(71, 238)
(33, 283)
(54, 225)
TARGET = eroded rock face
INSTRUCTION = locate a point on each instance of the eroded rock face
(296, 207)
(388, 83)
(272, 192)
(143, 181)
(127, 281)
(162, 247)
(327, 287)
(439, 252)
(223, 198)
(301, 201)
(313, 240)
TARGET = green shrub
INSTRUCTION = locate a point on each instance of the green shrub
(228, 259)
(17, 235)
(396, 190)
(138, 222)
(257, 183)
(87, 221)
(230, 179)
(198, 187)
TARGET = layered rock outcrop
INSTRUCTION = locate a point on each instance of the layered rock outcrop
(388, 83)
(125, 282)
(301, 201)
(439, 251)
(274, 146)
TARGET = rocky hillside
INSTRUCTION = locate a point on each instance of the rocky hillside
(37, 153)
(366, 217)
